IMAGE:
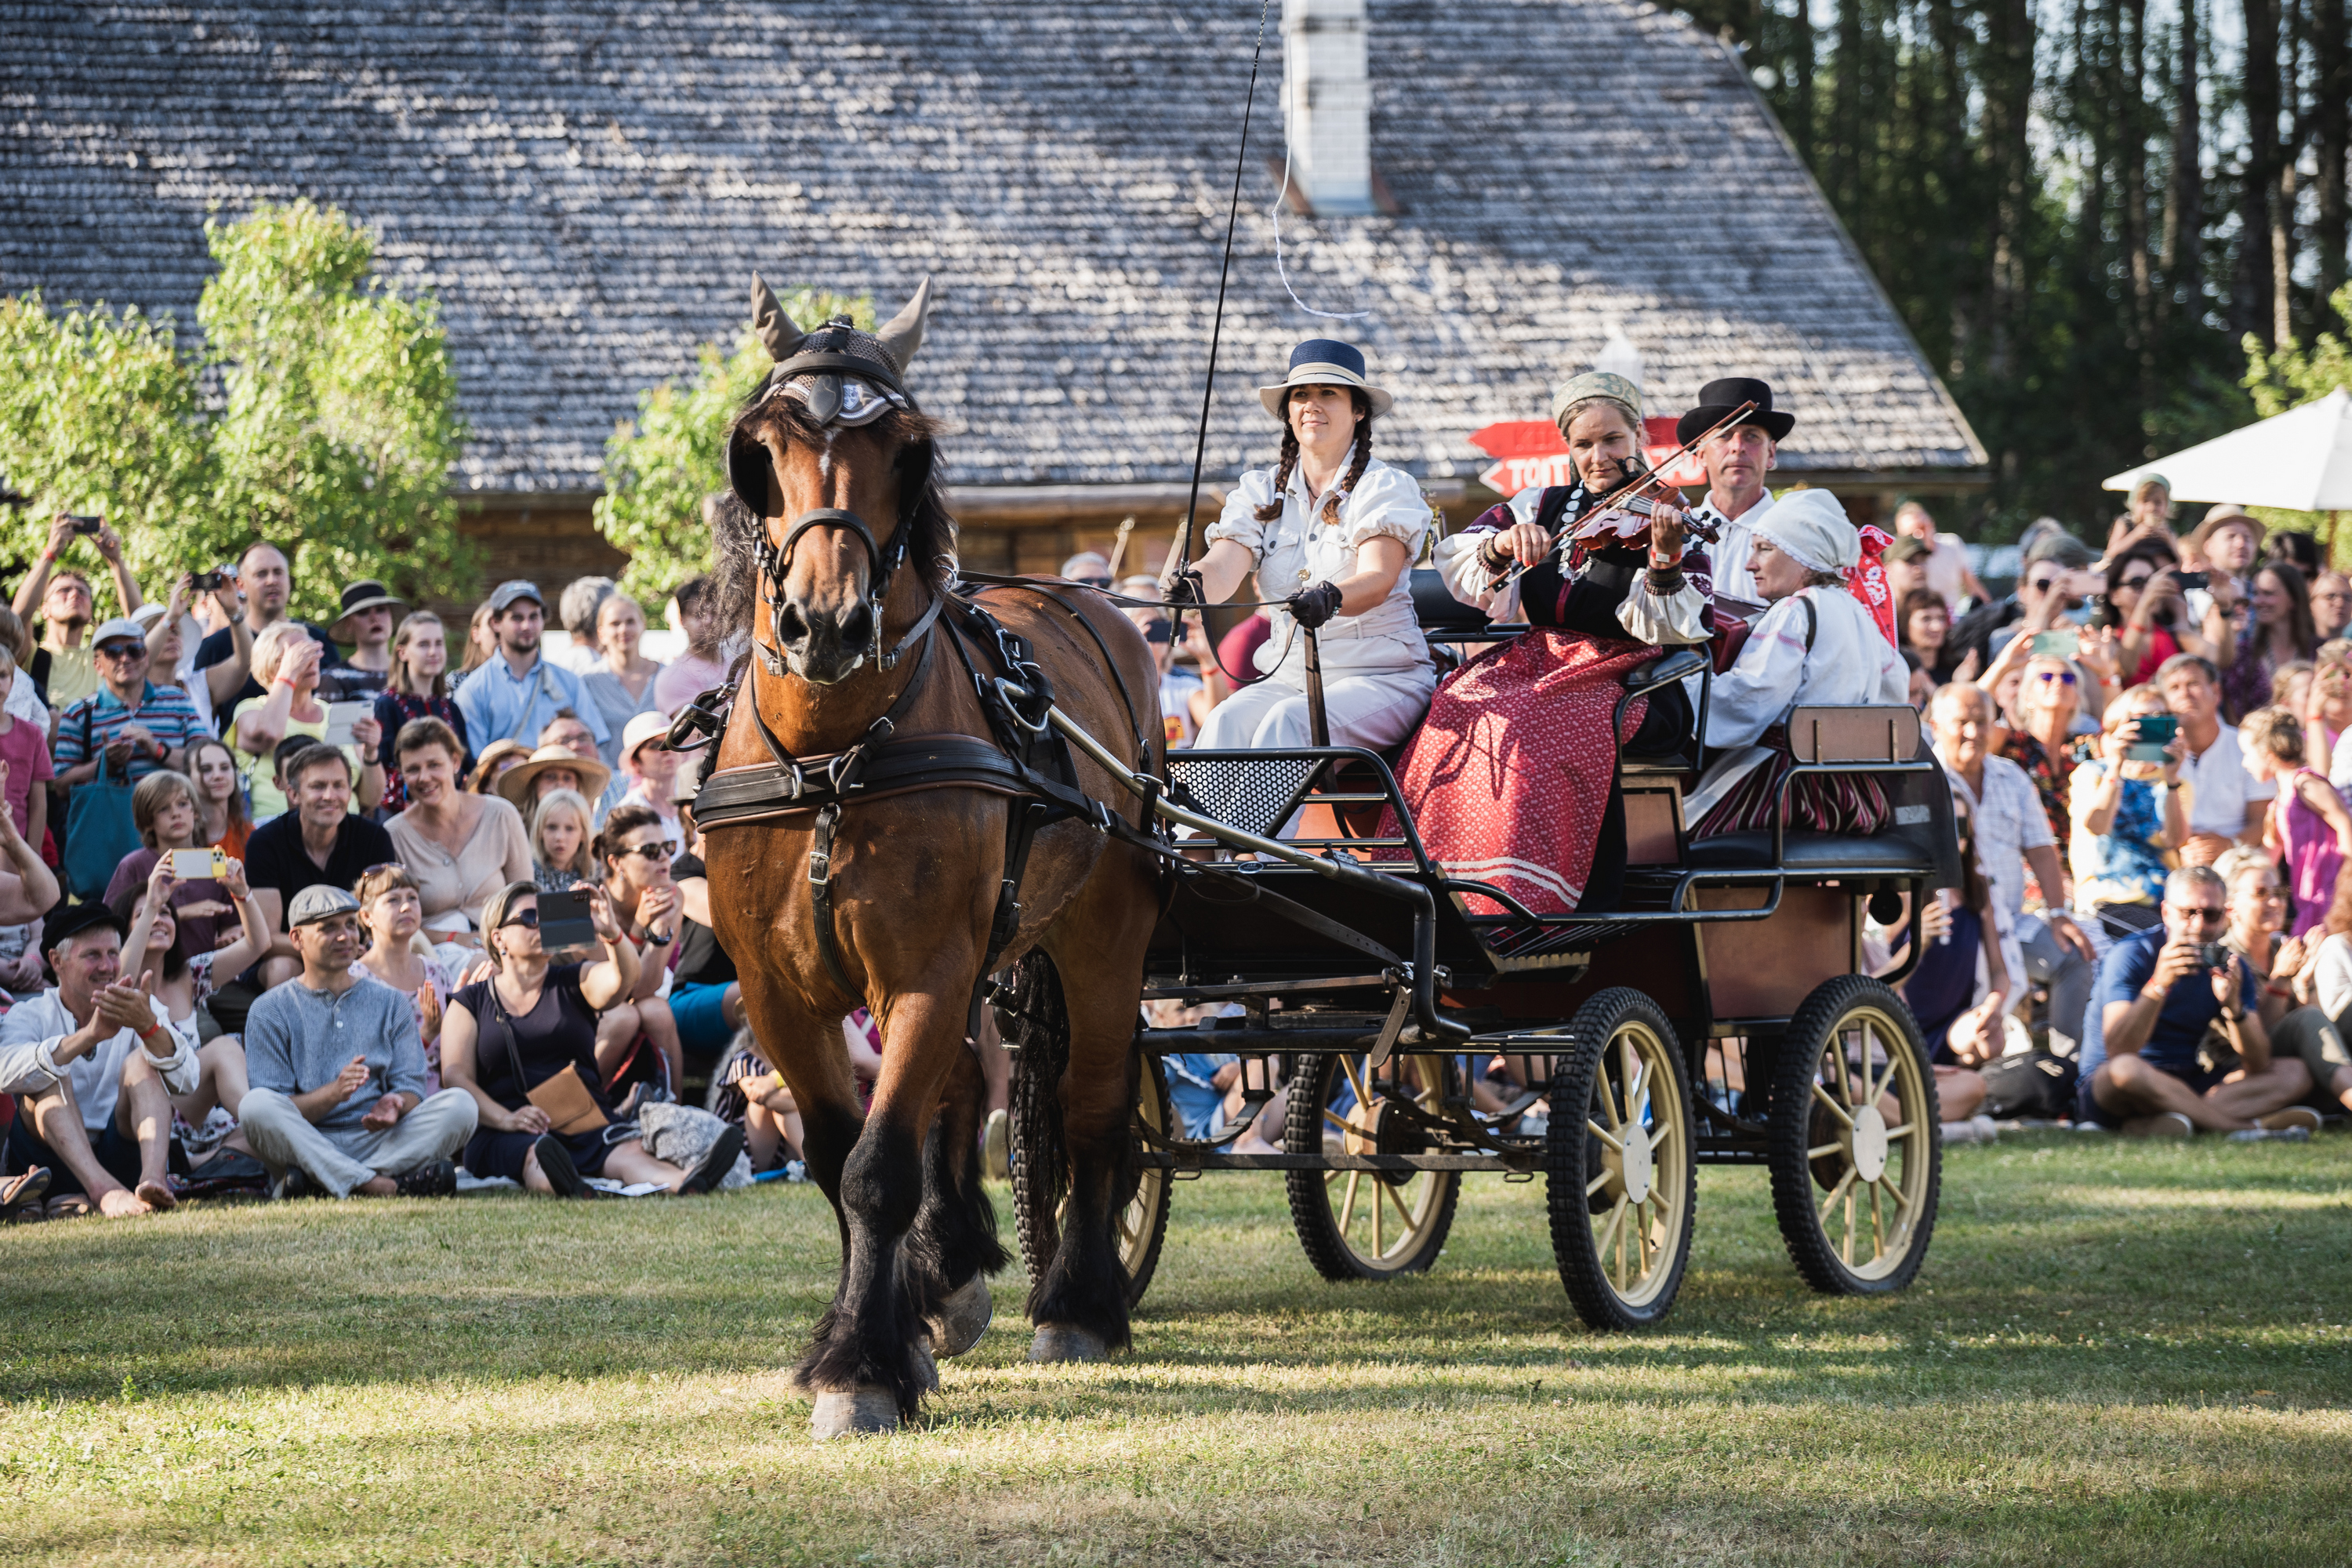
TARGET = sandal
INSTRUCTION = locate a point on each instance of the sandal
(25, 1192)
(71, 1205)
(712, 1168)
(555, 1164)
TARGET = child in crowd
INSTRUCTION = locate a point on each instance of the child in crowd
(560, 835)
(2309, 825)
(27, 751)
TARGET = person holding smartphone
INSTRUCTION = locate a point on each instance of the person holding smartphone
(2127, 814)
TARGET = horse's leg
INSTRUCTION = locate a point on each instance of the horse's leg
(1080, 1304)
(953, 1242)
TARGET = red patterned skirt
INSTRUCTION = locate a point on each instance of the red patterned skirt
(1508, 777)
(1848, 804)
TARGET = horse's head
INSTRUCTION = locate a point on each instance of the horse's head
(835, 462)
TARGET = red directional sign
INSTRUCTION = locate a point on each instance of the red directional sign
(1533, 452)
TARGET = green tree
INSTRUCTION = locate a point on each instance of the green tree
(342, 425)
(659, 467)
(100, 415)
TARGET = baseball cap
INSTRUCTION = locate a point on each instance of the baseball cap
(319, 902)
(514, 588)
(119, 629)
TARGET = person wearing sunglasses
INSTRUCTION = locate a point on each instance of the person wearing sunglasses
(1088, 568)
(636, 848)
(129, 723)
(2146, 1069)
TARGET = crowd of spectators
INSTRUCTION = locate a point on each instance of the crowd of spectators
(270, 895)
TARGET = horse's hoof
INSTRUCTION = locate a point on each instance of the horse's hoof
(962, 1318)
(1059, 1341)
(859, 1412)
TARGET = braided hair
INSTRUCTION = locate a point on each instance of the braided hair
(1288, 462)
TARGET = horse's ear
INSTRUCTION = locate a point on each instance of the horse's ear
(768, 320)
(902, 334)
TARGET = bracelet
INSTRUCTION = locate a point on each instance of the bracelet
(150, 1032)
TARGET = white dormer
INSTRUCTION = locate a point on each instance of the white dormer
(1326, 103)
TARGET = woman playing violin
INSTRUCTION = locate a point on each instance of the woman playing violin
(1512, 779)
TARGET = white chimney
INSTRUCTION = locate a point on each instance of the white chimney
(1326, 103)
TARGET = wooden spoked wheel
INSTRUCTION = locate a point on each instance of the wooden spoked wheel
(1623, 1180)
(1856, 1151)
(1039, 1200)
(1367, 1225)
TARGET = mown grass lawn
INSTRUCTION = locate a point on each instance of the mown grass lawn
(2124, 1354)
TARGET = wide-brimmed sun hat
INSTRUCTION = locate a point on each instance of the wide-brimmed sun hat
(650, 725)
(1325, 362)
(516, 783)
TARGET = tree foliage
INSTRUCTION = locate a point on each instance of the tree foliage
(659, 467)
(334, 436)
(2290, 376)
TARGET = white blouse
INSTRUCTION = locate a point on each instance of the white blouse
(1646, 617)
(1298, 549)
(1851, 662)
(1735, 543)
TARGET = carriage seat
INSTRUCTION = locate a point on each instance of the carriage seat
(1446, 619)
(1651, 750)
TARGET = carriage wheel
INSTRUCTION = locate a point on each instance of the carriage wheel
(1038, 1202)
(1622, 1183)
(1367, 1225)
(1857, 1153)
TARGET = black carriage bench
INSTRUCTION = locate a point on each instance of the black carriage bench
(1713, 1011)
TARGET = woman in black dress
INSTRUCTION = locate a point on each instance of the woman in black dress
(523, 1043)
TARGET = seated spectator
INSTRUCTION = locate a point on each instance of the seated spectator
(1947, 568)
(175, 635)
(320, 843)
(338, 1103)
(221, 820)
(2326, 712)
(394, 914)
(1089, 567)
(95, 1062)
(519, 692)
(2277, 634)
(1237, 649)
(163, 810)
(523, 1044)
(2319, 979)
(2148, 516)
(267, 584)
(1198, 1083)
(20, 699)
(694, 614)
(705, 998)
(181, 978)
(635, 852)
(553, 767)
(1178, 685)
(576, 609)
(364, 625)
(481, 641)
(1926, 621)
(2226, 805)
(2050, 573)
(650, 771)
(2156, 994)
(2012, 836)
(137, 725)
(560, 830)
(2040, 739)
(2331, 604)
(460, 847)
(2309, 826)
(418, 688)
(62, 670)
(2144, 610)
(621, 682)
(498, 759)
(24, 748)
(1905, 566)
(288, 663)
(2291, 687)
(28, 888)
(1215, 685)
(2128, 818)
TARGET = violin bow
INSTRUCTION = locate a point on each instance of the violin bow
(1638, 482)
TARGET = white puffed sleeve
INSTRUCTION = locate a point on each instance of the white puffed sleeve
(1239, 521)
(1664, 619)
(1750, 696)
(1387, 503)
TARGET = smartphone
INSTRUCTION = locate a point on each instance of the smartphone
(2056, 645)
(2150, 735)
(187, 863)
(564, 921)
(86, 524)
(2188, 580)
(341, 716)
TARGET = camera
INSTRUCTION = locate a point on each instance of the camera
(2214, 955)
(86, 524)
(210, 582)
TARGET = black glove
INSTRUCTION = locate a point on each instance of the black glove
(1311, 607)
(1185, 590)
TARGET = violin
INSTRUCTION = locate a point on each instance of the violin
(1625, 513)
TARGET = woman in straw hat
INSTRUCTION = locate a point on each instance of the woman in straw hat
(1330, 532)
(1511, 778)
(1818, 643)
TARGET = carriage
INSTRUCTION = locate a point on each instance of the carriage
(1403, 1023)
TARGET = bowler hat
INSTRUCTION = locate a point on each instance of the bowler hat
(1717, 399)
(1325, 362)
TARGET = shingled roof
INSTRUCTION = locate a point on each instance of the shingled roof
(588, 187)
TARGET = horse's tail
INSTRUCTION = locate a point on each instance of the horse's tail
(1037, 1023)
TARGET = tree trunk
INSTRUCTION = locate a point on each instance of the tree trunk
(2008, 104)
(2250, 297)
(2332, 74)
(2184, 205)
(2132, 40)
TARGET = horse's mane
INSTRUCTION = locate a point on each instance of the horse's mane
(930, 549)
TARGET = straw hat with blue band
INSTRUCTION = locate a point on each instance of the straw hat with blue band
(1325, 362)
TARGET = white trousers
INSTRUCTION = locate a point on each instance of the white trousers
(340, 1161)
(1371, 709)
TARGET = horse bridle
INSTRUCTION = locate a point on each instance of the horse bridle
(882, 563)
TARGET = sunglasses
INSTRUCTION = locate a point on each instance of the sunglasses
(2139, 582)
(527, 918)
(2067, 676)
(2042, 584)
(664, 850)
(133, 650)
(2208, 913)
(1103, 583)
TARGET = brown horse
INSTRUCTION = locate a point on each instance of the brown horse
(834, 463)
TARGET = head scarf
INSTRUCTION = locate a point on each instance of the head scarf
(1598, 383)
(1811, 527)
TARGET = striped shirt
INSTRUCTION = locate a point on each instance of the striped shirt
(98, 721)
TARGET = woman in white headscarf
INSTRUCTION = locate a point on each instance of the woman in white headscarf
(1818, 643)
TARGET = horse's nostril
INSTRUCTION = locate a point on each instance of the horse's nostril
(856, 626)
(792, 626)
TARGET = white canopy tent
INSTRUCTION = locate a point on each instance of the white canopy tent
(2300, 460)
